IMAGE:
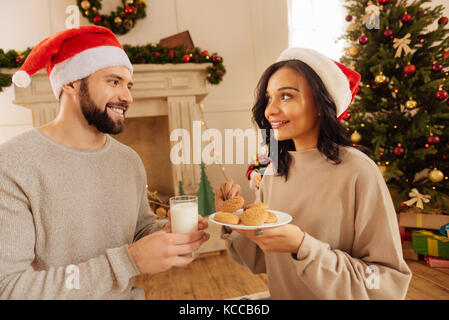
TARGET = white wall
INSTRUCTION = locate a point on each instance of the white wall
(249, 34)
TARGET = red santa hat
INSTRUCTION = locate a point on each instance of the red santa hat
(72, 54)
(341, 82)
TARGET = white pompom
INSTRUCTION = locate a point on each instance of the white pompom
(21, 79)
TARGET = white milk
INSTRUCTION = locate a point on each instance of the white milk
(184, 217)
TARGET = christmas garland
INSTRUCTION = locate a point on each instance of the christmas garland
(120, 21)
(150, 53)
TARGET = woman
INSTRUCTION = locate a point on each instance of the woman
(343, 241)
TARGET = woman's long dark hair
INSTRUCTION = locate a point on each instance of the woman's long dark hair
(332, 134)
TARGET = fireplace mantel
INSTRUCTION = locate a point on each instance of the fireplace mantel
(172, 90)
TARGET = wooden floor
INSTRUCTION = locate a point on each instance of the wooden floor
(216, 277)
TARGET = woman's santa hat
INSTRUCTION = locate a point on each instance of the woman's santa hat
(73, 54)
(341, 82)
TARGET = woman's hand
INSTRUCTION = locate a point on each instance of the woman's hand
(257, 179)
(286, 238)
(227, 189)
(202, 224)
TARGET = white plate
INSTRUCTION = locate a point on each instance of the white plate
(283, 218)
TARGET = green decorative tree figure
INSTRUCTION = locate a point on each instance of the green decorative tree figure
(400, 116)
(206, 197)
(181, 189)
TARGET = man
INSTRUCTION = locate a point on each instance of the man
(74, 217)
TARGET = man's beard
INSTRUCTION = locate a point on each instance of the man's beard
(93, 114)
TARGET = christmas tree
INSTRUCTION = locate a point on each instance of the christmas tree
(400, 116)
(181, 189)
(206, 200)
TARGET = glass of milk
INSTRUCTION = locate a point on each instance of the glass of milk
(184, 214)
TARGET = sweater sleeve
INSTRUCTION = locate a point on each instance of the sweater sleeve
(375, 269)
(147, 222)
(96, 278)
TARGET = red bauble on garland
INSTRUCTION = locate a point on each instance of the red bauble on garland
(446, 54)
(97, 19)
(409, 69)
(443, 21)
(348, 18)
(130, 10)
(171, 53)
(406, 18)
(186, 58)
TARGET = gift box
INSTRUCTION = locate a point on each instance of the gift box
(407, 251)
(430, 243)
(422, 220)
(436, 262)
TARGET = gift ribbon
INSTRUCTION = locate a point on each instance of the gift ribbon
(432, 235)
(418, 198)
(402, 44)
(432, 247)
(419, 220)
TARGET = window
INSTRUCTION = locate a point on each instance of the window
(317, 24)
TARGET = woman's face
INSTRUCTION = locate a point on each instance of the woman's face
(291, 110)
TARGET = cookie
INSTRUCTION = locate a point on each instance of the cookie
(254, 216)
(226, 217)
(257, 204)
(232, 204)
(271, 218)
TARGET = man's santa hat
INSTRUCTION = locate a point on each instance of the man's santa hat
(341, 82)
(73, 54)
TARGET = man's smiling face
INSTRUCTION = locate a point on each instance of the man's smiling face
(105, 97)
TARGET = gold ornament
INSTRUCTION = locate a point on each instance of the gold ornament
(353, 51)
(411, 104)
(117, 20)
(85, 4)
(129, 2)
(356, 137)
(94, 9)
(436, 175)
(380, 78)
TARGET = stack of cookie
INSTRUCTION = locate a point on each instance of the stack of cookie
(254, 214)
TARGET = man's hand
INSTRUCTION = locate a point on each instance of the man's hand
(227, 189)
(160, 251)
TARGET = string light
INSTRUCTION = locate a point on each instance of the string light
(362, 125)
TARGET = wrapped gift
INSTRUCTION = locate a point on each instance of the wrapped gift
(430, 243)
(407, 251)
(412, 219)
(436, 262)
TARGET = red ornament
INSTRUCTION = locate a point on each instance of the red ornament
(19, 59)
(171, 53)
(205, 53)
(130, 10)
(157, 54)
(433, 139)
(186, 58)
(441, 95)
(398, 151)
(409, 69)
(346, 116)
(97, 19)
(406, 18)
(216, 58)
(363, 39)
(348, 18)
(388, 33)
(443, 21)
(437, 67)
(382, 2)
